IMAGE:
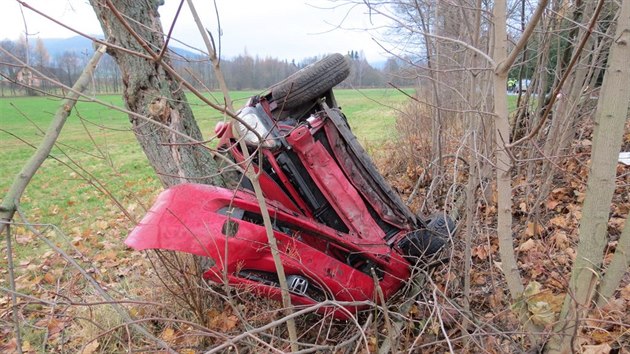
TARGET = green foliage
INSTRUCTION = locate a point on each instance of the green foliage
(372, 113)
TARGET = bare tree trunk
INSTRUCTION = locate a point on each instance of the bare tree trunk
(617, 267)
(503, 161)
(151, 91)
(433, 64)
(474, 123)
(504, 164)
(610, 117)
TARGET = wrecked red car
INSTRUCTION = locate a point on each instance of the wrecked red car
(341, 229)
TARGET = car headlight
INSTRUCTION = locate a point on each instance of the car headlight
(250, 116)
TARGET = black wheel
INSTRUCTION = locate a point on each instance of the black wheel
(442, 224)
(422, 243)
(311, 82)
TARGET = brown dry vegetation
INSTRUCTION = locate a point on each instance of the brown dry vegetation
(545, 242)
(65, 314)
(80, 290)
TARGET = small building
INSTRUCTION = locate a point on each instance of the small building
(31, 77)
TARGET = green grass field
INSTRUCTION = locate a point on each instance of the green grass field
(96, 146)
(97, 154)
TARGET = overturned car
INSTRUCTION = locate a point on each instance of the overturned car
(340, 228)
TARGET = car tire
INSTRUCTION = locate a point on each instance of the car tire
(421, 244)
(310, 83)
(441, 224)
(430, 242)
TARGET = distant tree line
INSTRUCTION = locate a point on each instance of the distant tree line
(36, 71)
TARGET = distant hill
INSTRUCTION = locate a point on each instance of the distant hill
(81, 44)
(380, 64)
(77, 44)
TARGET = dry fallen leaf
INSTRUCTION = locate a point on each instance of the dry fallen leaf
(496, 299)
(229, 323)
(553, 203)
(534, 228)
(101, 224)
(560, 239)
(53, 325)
(596, 349)
(523, 207)
(49, 278)
(91, 347)
(22, 239)
(222, 321)
(168, 335)
(9, 347)
(479, 279)
(602, 336)
(559, 221)
(527, 245)
(541, 313)
(482, 251)
(26, 346)
(543, 305)
(372, 344)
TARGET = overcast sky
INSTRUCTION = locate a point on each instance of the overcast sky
(284, 29)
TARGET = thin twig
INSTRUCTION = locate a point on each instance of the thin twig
(286, 299)
(21, 181)
(16, 319)
(390, 343)
(565, 76)
(505, 65)
(310, 309)
(75, 303)
(170, 33)
(134, 114)
(119, 310)
(94, 39)
(212, 54)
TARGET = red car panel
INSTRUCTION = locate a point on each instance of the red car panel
(223, 225)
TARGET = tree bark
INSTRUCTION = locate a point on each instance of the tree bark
(151, 91)
(504, 164)
(617, 267)
(503, 161)
(610, 117)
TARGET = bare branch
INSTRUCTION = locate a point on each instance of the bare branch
(567, 73)
(21, 181)
(99, 41)
(504, 66)
(212, 53)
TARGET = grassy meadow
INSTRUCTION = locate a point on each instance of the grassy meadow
(97, 158)
(97, 154)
